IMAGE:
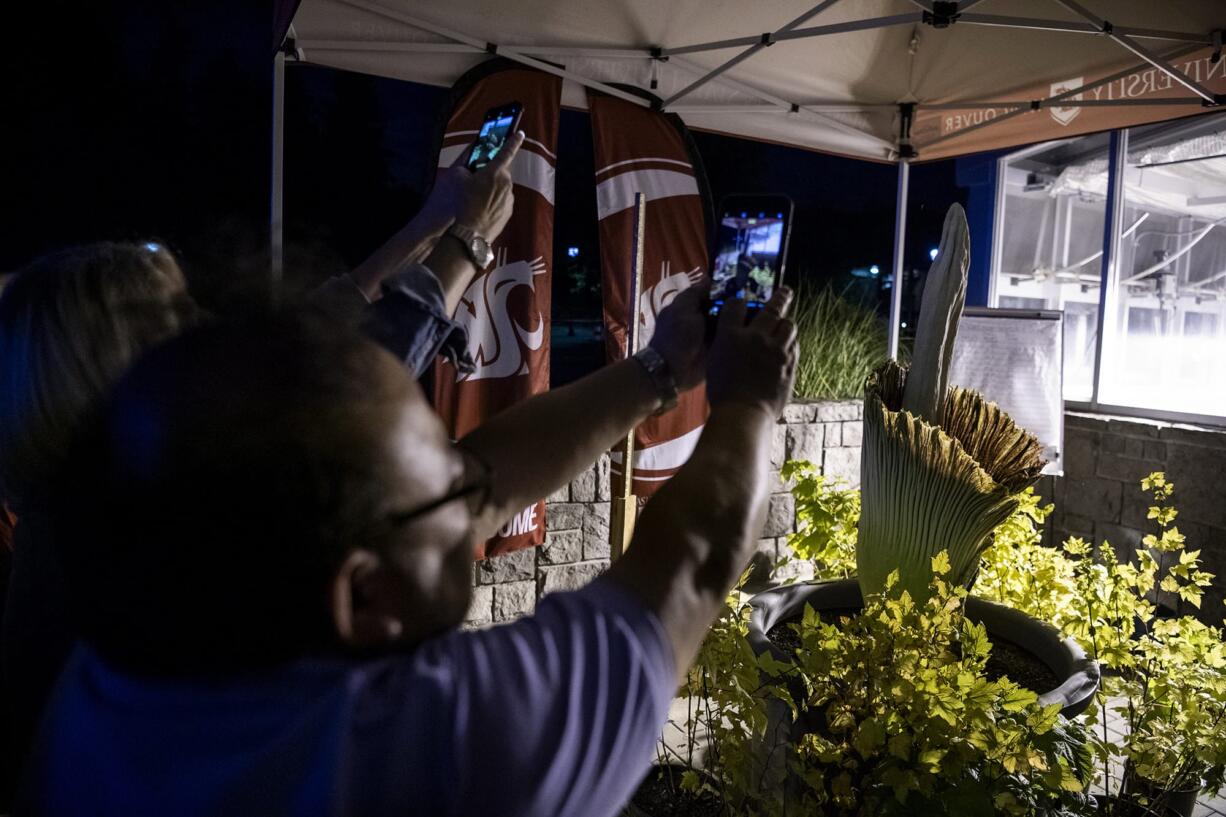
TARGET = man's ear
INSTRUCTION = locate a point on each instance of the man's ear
(365, 609)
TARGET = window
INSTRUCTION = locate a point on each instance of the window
(1163, 349)
(1049, 248)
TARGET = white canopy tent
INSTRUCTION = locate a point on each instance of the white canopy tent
(882, 80)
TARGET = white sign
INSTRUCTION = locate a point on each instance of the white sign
(1015, 358)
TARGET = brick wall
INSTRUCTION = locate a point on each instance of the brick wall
(576, 545)
(1100, 497)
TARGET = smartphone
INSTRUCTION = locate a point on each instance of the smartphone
(498, 126)
(751, 244)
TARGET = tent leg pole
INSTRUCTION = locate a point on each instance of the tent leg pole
(276, 203)
(900, 235)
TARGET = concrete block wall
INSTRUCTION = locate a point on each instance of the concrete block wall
(1100, 498)
(576, 545)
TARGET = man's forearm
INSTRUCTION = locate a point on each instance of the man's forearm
(698, 532)
(453, 268)
(537, 446)
(410, 245)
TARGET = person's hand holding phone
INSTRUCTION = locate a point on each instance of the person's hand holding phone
(479, 200)
(753, 363)
(679, 337)
(486, 199)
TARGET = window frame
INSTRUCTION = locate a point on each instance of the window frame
(1108, 272)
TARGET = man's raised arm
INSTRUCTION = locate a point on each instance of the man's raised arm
(698, 532)
(481, 202)
(537, 446)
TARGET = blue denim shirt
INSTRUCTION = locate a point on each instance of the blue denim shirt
(410, 320)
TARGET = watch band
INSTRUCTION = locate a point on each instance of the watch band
(471, 240)
(661, 377)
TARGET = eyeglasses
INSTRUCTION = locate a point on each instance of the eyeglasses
(476, 490)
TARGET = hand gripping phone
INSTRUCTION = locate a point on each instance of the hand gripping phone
(499, 125)
(751, 245)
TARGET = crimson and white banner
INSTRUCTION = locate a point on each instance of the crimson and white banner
(639, 150)
(506, 308)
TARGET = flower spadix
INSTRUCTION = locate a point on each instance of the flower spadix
(941, 466)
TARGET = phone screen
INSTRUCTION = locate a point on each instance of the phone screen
(749, 249)
(497, 128)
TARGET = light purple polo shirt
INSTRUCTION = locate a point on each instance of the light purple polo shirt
(555, 714)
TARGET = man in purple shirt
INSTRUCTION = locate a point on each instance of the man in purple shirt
(270, 618)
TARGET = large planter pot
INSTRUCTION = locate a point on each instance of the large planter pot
(1180, 803)
(1123, 807)
(1077, 675)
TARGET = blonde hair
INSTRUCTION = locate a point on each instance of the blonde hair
(70, 324)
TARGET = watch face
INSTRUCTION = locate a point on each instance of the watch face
(481, 251)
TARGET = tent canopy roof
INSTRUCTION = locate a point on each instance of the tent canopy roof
(834, 80)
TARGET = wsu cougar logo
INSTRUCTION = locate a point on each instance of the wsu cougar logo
(495, 340)
(1064, 115)
(659, 295)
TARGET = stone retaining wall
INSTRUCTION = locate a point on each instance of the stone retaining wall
(576, 545)
(1098, 498)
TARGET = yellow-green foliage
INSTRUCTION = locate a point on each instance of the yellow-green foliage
(826, 515)
(888, 712)
(1168, 675)
(1017, 570)
(1165, 676)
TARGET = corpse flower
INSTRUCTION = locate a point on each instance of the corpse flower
(941, 466)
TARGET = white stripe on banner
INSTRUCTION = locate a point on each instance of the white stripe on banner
(668, 454)
(616, 194)
(657, 160)
(529, 169)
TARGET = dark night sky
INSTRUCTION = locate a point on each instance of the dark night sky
(167, 135)
(358, 160)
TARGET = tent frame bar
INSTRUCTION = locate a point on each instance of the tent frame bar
(1144, 53)
(994, 20)
(276, 200)
(785, 106)
(767, 41)
(1093, 25)
(509, 53)
(1063, 26)
(1037, 104)
(900, 236)
(1058, 98)
(774, 104)
(811, 107)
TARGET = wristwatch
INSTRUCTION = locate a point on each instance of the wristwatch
(661, 377)
(476, 246)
